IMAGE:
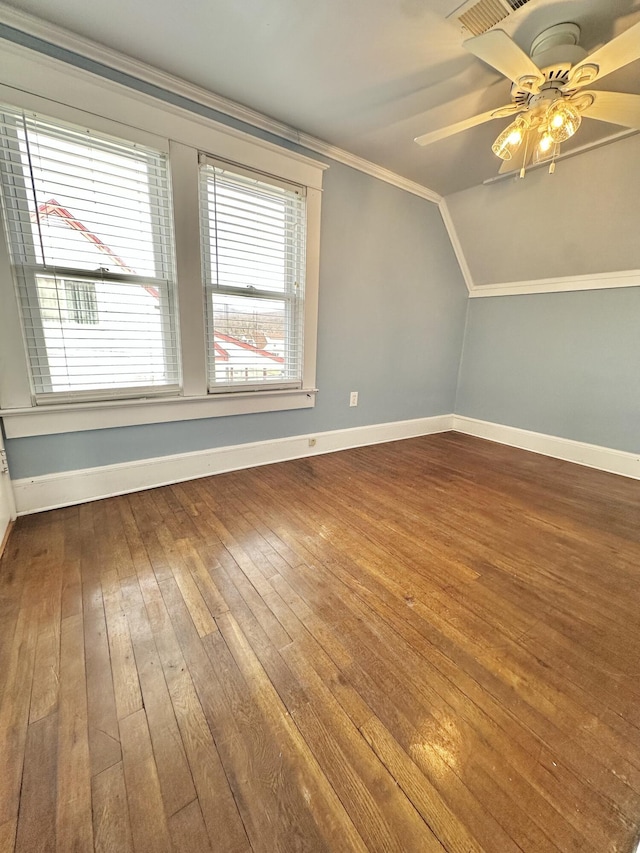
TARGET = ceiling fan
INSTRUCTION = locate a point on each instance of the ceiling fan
(548, 98)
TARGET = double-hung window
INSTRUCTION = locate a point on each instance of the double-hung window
(253, 238)
(89, 226)
(143, 281)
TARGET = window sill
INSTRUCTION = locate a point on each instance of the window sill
(76, 417)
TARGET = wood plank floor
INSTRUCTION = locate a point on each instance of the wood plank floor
(428, 645)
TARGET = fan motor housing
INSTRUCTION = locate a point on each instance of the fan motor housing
(555, 51)
(555, 77)
(560, 35)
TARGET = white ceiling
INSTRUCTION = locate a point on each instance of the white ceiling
(364, 75)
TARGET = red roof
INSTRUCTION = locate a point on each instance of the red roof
(224, 355)
(54, 208)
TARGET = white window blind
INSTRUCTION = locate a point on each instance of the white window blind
(253, 230)
(90, 236)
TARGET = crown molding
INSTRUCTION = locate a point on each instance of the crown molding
(563, 284)
(560, 284)
(87, 49)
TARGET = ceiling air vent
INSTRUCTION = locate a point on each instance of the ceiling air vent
(478, 16)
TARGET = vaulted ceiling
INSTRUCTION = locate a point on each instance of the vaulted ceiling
(365, 75)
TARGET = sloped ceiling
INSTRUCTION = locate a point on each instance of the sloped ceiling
(364, 75)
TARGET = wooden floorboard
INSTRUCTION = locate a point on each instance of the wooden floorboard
(426, 645)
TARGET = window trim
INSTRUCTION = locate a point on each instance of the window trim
(141, 118)
(104, 414)
(293, 299)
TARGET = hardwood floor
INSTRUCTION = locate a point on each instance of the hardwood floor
(429, 645)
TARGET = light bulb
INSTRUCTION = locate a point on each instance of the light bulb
(562, 120)
(546, 147)
(545, 143)
(510, 139)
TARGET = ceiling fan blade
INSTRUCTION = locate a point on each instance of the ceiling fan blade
(450, 130)
(499, 50)
(614, 107)
(523, 155)
(620, 51)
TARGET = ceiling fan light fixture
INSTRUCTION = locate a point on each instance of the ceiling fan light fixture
(510, 139)
(546, 149)
(562, 120)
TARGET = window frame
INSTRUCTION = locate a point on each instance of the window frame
(293, 300)
(137, 117)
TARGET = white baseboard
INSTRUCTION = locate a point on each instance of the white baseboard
(50, 491)
(590, 455)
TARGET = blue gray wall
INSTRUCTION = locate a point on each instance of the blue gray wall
(392, 313)
(564, 364)
(580, 221)
(391, 321)
(392, 310)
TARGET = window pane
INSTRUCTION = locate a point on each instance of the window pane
(252, 244)
(67, 301)
(92, 203)
(249, 340)
(253, 234)
(99, 334)
(78, 201)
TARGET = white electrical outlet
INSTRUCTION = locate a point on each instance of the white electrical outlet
(353, 398)
(312, 442)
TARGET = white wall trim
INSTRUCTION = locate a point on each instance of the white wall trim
(561, 284)
(456, 244)
(76, 417)
(38, 82)
(590, 455)
(595, 281)
(50, 491)
(88, 49)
